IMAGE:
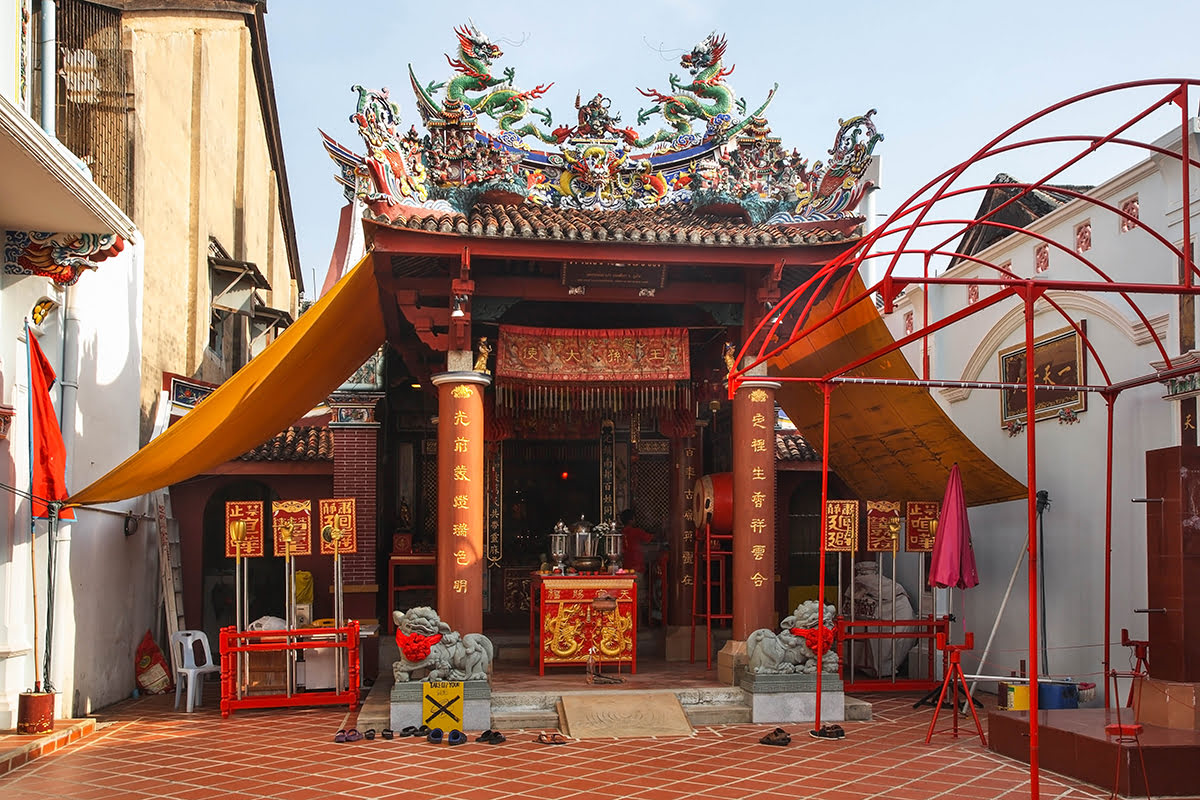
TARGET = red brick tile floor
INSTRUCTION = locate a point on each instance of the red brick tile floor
(145, 750)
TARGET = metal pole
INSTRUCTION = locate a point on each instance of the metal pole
(1031, 294)
(826, 389)
(1111, 400)
(894, 534)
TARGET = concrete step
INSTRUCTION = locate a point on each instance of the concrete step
(723, 705)
(718, 714)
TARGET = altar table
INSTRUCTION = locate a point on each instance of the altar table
(565, 628)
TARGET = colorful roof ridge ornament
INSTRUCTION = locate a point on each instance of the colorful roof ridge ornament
(596, 166)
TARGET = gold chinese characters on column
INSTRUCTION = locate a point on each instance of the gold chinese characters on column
(922, 524)
(245, 539)
(460, 482)
(761, 457)
(841, 526)
(883, 525)
(339, 532)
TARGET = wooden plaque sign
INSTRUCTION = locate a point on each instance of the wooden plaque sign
(883, 525)
(292, 518)
(841, 526)
(249, 512)
(921, 518)
(337, 524)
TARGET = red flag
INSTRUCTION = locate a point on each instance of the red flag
(48, 468)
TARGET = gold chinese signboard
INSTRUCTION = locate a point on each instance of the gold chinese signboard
(883, 525)
(841, 526)
(1058, 360)
(249, 512)
(922, 524)
(338, 531)
(291, 522)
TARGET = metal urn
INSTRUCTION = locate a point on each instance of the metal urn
(585, 546)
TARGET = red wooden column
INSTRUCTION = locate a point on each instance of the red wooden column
(355, 474)
(754, 508)
(461, 480)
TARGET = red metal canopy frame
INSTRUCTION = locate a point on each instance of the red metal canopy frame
(793, 320)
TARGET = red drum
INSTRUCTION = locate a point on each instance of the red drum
(713, 496)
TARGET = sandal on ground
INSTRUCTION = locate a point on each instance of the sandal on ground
(353, 735)
(485, 736)
(778, 737)
(456, 737)
(369, 735)
(551, 738)
(388, 733)
(340, 736)
(496, 738)
(409, 730)
(434, 736)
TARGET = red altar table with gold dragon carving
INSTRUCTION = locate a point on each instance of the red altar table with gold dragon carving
(566, 625)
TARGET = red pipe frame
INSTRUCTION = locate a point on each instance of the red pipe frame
(1030, 290)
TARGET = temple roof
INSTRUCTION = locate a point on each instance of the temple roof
(667, 225)
(794, 447)
(297, 443)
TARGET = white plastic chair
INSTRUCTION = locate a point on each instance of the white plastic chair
(183, 644)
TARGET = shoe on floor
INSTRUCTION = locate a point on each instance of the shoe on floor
(778, 737)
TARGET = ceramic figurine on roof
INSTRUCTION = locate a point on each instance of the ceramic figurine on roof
(595, 166)
(706, 98)
(507, 105)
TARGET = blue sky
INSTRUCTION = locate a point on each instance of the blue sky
(945, 76)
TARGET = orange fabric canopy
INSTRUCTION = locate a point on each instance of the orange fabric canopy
(292, 375)
(886, 442)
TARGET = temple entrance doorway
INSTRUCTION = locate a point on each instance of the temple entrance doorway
(543, 481)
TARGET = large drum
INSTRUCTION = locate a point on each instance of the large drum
(713, 496)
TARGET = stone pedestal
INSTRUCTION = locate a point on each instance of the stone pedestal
(793, 698)
(407, 705)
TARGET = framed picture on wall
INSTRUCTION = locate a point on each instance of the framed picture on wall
(1058, 359)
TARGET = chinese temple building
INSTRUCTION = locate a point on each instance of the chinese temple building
(562, 301)
(541, 320)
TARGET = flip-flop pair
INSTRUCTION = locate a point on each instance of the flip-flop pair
(490, 737)
(412, 730)
(350, 735)
(829, 732)
(454, 737)
(551, 738)
(778, 737)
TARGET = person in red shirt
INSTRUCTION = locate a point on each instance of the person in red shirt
(633, 542)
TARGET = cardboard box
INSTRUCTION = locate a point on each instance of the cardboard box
(731, 663)
(1168, 704)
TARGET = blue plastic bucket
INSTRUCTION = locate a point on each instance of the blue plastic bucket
(1058, 695)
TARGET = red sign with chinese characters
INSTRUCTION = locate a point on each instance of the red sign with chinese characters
(883, 525)
(291, 523)
(540, 355)
(251, 513)
(841, 526)
(921, 518)
(337, 523)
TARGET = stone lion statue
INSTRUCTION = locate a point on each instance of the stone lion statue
(430, 651)
(789, 651)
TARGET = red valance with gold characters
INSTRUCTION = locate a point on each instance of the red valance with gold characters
(553, 355)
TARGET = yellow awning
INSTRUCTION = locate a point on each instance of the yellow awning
(886, 442)
(292, 375)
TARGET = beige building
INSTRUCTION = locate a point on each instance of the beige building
(210, 190)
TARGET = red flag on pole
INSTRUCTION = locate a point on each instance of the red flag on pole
(48, 456)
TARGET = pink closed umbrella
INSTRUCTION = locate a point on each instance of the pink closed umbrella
(953, 560)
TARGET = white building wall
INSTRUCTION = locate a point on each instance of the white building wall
(1071, 458)
(108, 584)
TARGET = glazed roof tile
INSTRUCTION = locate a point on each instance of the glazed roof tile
(793, 447)
(676, 225)
(303, 443)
